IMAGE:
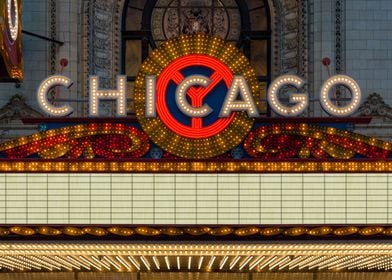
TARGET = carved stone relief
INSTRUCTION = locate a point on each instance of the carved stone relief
(17, 109)
(176, 19)
(100, 53)
(293, 37)
(374, 105)
(11, 115)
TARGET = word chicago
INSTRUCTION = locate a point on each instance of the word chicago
(238, 97)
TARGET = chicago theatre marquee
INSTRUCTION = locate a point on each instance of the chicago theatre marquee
(194, 142)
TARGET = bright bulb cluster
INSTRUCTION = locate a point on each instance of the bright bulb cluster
(300, 99)
(119, 95)
(241, 87)
(12, 19)
(150, 96)
(336, 110)
(45, 87)
(181, 92)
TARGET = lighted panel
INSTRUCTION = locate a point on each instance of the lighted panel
(195, 199)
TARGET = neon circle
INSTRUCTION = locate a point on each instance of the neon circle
(172, 73)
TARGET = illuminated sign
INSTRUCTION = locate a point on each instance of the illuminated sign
(301, 99)
(198, 103)
(10, 41)
(236, 95)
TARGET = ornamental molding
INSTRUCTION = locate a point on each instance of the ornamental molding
(17, 109)
(291, 32)
(219, 232)
(100, 49)
(101, 41)
(339, 37)
(53, 34)
(374, 105)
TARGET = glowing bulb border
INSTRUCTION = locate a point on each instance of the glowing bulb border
(335, 110)
(182, 103)
(13, 29)
(119, 94)
(53, 145)
(165, 138)
(300, 99)
(43, 90)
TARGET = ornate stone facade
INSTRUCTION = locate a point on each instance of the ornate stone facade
(292, 35)
(97, 36)
(100, 33)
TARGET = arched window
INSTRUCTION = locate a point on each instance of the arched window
(148, 23)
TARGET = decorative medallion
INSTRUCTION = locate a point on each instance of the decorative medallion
(217, 18)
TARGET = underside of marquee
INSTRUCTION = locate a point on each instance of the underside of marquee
(195, 249)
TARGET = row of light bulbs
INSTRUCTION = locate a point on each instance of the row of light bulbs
(238, 263)
(182, 92)
(186, 166)
(13, 18)
(301, 99)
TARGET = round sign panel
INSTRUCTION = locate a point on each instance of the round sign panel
(182, 65)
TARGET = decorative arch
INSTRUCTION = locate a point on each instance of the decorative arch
(101, 39)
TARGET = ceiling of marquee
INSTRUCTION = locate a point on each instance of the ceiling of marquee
(246, 257)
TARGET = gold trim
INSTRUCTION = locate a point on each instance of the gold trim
(232, 166)
(368, 231)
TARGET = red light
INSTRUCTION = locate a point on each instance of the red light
(171, 73)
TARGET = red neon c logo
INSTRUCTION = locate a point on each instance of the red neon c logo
(172, 73)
